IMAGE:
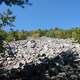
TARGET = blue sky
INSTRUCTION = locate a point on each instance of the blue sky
(46, 14)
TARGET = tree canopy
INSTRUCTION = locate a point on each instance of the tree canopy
(15, 2)
(6, 17)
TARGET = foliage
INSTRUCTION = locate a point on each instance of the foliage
(54, 33)
(76, 34)
(3, 35)
(50, 33)
(7, 19)
(15, 2)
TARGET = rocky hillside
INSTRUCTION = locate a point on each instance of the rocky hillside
(34, 50)
(41, 59)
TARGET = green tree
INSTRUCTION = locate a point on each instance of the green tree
(7, 18)
(50, 33)
(15, 2)
(76, 34)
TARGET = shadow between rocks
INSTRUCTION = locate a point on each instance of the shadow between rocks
(65, 66)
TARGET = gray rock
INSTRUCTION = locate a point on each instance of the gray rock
(31, 50)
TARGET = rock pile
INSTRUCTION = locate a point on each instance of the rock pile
(34, 50)
(65, 66)
(41, 59)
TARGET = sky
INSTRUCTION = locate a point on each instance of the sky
(47, 14)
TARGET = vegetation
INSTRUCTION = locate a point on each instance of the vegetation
(73, 33)
(7, 19)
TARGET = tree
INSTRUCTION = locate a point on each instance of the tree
(7, 18)
(15, 2)
(76, 34)
(50, 33)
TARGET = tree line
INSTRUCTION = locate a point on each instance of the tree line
(73, 33)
